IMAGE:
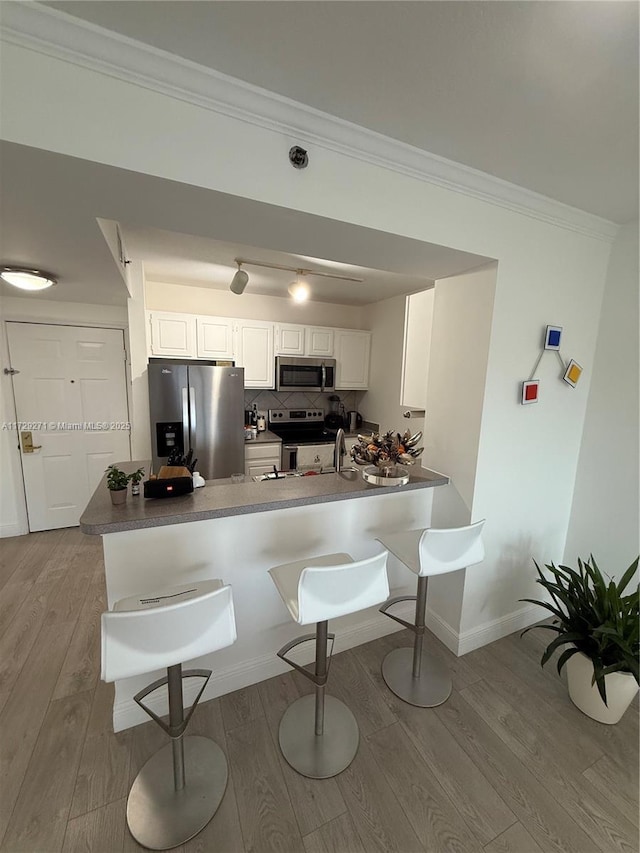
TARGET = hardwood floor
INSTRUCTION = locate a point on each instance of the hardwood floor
(506, 765)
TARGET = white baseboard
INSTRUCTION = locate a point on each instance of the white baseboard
(496, 629)
(127, 714)
(15, 529)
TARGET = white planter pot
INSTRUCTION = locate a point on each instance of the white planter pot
(621, 688)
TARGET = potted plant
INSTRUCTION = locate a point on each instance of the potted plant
(117, 482)
(135, 478)
(599, 624)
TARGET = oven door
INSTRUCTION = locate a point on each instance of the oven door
(305, 374)
(308, 457)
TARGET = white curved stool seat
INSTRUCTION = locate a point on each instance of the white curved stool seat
(414, 677)
(318, 734)
(180, 788)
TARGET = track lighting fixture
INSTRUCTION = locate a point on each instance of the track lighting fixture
(240, 279)
(299, 289)
(27, 279)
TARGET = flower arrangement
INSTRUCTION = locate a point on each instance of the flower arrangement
(386, 450)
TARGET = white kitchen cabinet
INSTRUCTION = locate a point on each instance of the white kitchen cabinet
(255, 352)
(312, 341)
(289, 339)
(418, 320)
(319, 341)
(260, 458)
(173, 334)
(352, 352)
(214, 337)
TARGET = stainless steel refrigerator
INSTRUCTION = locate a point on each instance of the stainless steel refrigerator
(197, 407)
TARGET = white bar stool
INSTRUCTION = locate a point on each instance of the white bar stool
(418, 680)
(318, 734)
(179, 789)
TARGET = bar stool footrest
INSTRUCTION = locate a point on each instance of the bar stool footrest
(385, 607)
(282, 654)
(173, 731)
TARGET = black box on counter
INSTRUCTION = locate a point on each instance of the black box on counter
(168, 487)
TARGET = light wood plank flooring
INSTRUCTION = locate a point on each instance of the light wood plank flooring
(507, 765)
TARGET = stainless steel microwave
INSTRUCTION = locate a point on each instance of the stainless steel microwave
(305, 374)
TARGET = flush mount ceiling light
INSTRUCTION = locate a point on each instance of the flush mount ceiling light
(299, 289)
(239, 281)
(27, 279)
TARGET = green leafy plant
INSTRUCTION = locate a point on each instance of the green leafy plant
(137, 476)
(116, 479)
(593, 617)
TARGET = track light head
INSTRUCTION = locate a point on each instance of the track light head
(239, 281)
(299, 289)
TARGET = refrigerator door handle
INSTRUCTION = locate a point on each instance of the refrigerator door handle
(185, 420)
(192, 417)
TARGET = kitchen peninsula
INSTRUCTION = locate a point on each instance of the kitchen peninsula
(237, 531)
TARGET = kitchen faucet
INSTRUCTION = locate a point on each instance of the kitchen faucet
(341, 449)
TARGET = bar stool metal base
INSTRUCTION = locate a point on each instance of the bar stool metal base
(159, 817)
(432, 687)
(319, 756)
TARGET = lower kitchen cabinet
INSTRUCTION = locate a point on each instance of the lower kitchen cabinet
(260, 458)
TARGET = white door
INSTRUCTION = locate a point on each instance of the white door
(289, 339)
(214, 337)
(70, 393)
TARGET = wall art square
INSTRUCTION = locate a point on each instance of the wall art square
(530, 391)
(572, 373)
(552, 337)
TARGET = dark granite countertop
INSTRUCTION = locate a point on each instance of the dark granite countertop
(222, 498)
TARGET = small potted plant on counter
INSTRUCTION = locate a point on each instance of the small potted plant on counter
(117, 482)
(599, 625)
(136, 478)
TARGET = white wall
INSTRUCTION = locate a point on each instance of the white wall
(250, 306)
(13, 514)
(381, 403)
(549, 271)
(605, 515)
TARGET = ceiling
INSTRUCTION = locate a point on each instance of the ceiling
(188, 235)
(541, 94)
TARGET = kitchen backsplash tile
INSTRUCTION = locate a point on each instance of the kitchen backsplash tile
(265, 400)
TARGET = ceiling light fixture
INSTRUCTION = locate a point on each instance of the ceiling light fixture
(240, 279)
(299, 289)
(27, 279)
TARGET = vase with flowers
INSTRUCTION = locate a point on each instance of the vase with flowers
(388, 453)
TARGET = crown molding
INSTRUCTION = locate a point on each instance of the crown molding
(59, 35)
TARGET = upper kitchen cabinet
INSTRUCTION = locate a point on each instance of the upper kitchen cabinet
(319, 341)
(418, 319)
(215, 337)
(352, 351)
(314, 341)
(255, 352)
(289, 339)
(173, 334)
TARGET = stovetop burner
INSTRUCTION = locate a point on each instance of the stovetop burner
(300, 426)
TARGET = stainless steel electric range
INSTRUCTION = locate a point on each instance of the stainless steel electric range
(306, 443)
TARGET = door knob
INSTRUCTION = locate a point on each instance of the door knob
(27, 442)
